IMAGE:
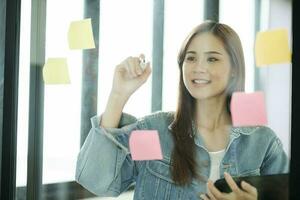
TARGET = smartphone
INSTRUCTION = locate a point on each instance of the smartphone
(271, 187)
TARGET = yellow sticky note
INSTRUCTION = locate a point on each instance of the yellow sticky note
(80, 35)
(56, 71)
(271, 47)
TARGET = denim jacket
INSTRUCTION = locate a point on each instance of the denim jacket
(105, 167)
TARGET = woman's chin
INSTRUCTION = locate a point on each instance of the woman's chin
(201, 97)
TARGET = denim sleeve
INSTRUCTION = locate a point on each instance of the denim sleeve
(276, 160)
(104, 165)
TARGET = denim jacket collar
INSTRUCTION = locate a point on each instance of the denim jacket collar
(235, 132)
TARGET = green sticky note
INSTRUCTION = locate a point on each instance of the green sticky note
(271, 47)
(56, 71)
(80, 35)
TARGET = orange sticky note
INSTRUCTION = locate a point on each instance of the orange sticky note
(80, 35)
(145, 145)
(271, 47)
(56, 71)
(248, 109)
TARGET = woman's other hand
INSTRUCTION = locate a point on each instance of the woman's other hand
(248, 192)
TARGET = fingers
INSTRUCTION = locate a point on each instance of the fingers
(134, 66)
(204, 197)
(248, 192)
(233, 186)
(249, 188)
(147, 69)
(128, 67)
(214, 194)
(210, 195)
(214, 191)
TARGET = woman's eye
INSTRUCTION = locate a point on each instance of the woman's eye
(212, 59)
(190, 58)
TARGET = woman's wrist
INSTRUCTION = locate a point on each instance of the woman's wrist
(118, 98)
(113, 110)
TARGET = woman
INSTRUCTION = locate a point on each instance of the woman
(198, 141)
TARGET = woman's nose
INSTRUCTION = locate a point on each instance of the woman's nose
(200, 66)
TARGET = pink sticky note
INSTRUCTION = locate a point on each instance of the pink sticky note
(145, 145)
(248, 109)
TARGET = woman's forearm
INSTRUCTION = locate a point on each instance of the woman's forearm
(113, 111)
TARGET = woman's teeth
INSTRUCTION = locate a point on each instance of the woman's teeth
(201, 81)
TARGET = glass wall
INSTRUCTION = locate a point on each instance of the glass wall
(274, 80)
(126, 29)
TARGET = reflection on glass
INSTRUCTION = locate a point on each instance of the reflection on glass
(274, 80)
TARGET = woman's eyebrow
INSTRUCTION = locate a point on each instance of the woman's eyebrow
(206, 52)
(193, 52)
(212, 52)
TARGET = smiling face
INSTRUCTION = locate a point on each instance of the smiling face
(206, 67)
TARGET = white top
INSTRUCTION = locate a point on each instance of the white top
(215, 158)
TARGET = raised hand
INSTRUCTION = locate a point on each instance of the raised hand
(130, 75)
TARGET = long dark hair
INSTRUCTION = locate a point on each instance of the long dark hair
(184, 164)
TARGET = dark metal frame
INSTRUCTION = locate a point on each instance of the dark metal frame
(58, 191)
(89, 93)
(36, 99)
(295, 125)
(211, 10)
(2, 64)
(10, 50)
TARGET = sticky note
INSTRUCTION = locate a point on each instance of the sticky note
(80, 35)
(55, 71)
(271, 47)
(248, 109)
(145, 145)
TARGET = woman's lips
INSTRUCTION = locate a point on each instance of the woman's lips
(201, 82)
